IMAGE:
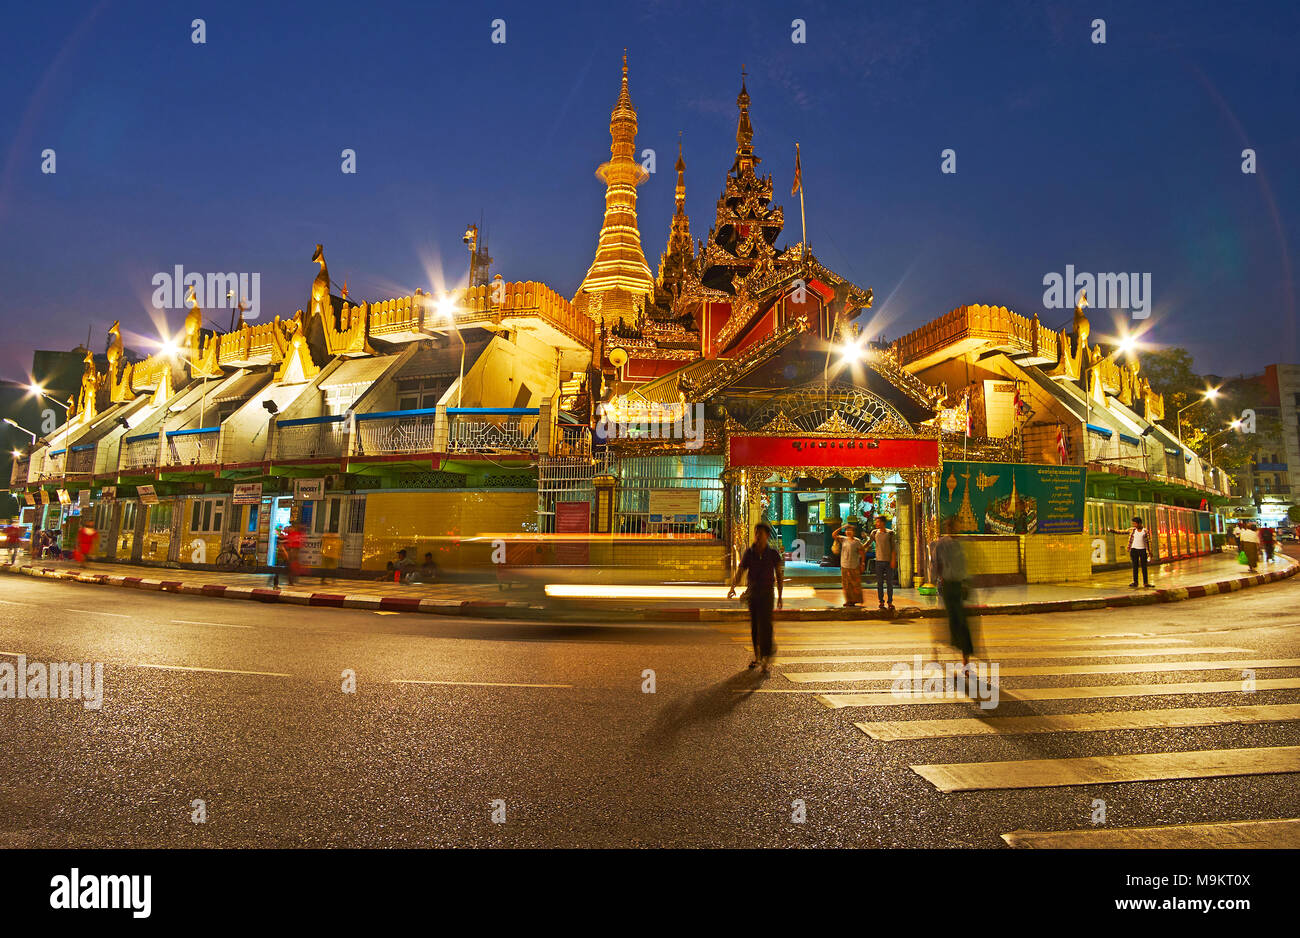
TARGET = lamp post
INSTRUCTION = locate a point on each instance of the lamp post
(19, 426)
(1210, 439)
(1208, 395)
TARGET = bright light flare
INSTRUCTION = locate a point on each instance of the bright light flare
(611, 591)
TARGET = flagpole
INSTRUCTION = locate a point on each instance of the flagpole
(803, 221)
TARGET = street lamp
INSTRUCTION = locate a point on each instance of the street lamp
(1210, 394)
(446, 308)
(39, 392)
(19, 426)
(1236, 424)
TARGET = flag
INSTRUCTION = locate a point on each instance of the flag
(1061, 446)
(968, 426)
(798, 172)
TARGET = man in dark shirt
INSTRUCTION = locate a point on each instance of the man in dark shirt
(766, 570)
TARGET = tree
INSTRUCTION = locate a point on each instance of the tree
(1172, 373)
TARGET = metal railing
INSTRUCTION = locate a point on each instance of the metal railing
(19, 474)
(196, 447)
(81, 460)
(487, 430)
(572, 441)
(55, 463)
(311, 437)
(139, 452)
(397, 431)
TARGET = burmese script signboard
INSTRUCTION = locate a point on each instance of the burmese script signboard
(1010, 498)
(832, 452)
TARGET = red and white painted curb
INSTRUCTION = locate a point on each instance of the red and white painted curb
(502, 609)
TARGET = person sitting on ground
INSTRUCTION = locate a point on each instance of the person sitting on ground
(428, 572)
(401, 569)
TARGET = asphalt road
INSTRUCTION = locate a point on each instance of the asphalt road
(286, 758)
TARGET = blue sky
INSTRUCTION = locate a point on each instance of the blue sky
(226, 156)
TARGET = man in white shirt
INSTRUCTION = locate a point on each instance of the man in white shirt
(1139, 544)
(853, 560)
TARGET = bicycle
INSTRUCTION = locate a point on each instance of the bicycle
(240, 552)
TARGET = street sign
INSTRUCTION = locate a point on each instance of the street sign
(64, 497)
(108, 493)
(147, 494)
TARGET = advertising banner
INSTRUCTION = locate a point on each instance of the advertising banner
(308, 490)
(247, 493)
(1010, 498)
(147, 494)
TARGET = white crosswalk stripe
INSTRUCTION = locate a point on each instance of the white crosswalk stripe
(1066, 652)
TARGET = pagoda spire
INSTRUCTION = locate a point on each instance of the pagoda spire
(678, 258)
(619, 280)
(745, 158)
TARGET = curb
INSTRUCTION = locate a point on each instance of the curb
(503, 609)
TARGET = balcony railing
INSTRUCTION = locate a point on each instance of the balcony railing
(197, 447)
(55, 462)
(488, 430)
(140, 452)
(81, 459)
(311, 437)
(397, 431)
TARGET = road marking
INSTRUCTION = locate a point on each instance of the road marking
(220, 625)
(181, 667)
(1100, 770)
(479, 683)
(1080, 722)
(1277, 834)
(10, 602)
(923, 644)
(952, 656)
(839, 699)
(97, 612)
(813, 677)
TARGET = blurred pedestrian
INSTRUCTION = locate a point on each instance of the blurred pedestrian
(853, 561)
(293, 539)
(886, 545)
(948, 570)
(766, 571)
(1249, 538)
(13, 537)
(87, 537)
(1268, 541)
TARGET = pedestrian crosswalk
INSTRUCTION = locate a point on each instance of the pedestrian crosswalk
(872, 670)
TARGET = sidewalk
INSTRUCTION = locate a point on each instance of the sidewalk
(1187, 579)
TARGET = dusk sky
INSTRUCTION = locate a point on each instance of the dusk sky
(1122, 156)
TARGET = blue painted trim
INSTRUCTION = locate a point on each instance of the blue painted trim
(57, 452)
(142, 436)
(195, 430)
(304, 421)
(494, 410)
(1130, 440)
(1100, 431)
(422, 412)
(83, 447)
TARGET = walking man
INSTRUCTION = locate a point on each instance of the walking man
(766, 571)
(1139, 542)
(948, 569)
(886, 543)
(853, 560)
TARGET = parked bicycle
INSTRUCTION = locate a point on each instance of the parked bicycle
(239, 552)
